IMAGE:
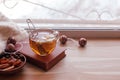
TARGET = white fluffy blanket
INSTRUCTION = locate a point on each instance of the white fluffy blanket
(8, 28)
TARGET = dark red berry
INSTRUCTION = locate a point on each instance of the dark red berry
(11, 40)
(82, 42)
(63, 39)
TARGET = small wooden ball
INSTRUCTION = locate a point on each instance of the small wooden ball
(63, 39)
(82, 42)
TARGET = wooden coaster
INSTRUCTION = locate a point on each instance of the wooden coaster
(46, 62)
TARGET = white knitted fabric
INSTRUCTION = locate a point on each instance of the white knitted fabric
(9, 28)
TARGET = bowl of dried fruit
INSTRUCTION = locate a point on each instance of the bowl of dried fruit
(11, 59)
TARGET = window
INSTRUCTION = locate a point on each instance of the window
(74, 15)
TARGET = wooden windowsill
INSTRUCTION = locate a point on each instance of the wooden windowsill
(99, 60)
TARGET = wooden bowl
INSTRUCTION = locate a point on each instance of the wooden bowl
(15, 69)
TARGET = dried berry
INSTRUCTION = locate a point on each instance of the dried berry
(1, 54)
(7, 55)
(10, 48)
(10, 60)
(82, 42)
(11, 40)
(16, 56)
(63, 39)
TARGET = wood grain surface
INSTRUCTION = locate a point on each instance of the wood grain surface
(99, 60)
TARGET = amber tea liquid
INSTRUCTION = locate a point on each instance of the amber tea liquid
(42, 43)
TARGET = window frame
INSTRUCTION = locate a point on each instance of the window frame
(88, 32)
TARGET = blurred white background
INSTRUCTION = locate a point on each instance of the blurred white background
(61, 9)
(83, 13)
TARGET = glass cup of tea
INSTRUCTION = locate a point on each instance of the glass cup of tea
(43, 41)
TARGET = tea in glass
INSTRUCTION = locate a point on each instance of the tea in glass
(43, 41)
